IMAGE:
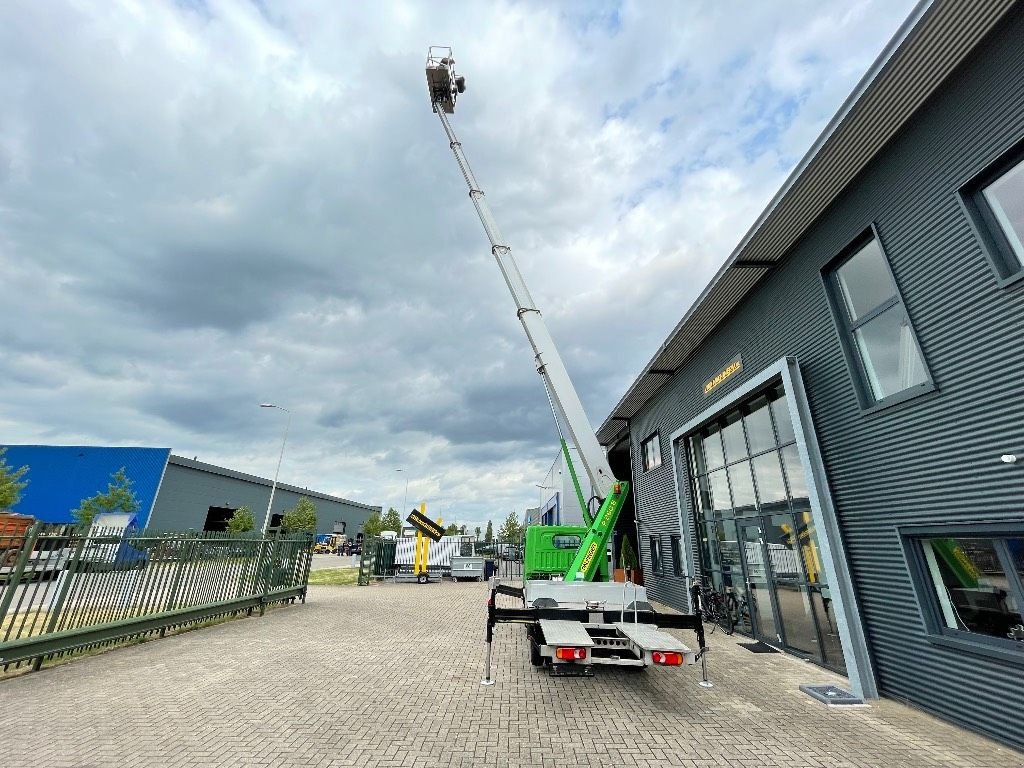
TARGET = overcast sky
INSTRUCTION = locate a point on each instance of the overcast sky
(208, 205)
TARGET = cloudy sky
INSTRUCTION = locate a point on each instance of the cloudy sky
(205, 205)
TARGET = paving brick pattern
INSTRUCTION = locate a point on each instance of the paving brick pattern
(389, 675)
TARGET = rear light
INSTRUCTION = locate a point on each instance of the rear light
(570, 654)
(667, 658)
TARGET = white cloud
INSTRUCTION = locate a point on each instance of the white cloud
(208, 205)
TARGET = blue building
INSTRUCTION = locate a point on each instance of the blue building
(61, 476)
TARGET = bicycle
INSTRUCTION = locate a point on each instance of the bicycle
(717, 609)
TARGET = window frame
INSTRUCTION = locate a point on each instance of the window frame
(657, 561)
(846, 328)
(676, 548)
(1003, 260)
(935, 631)
(654, 436)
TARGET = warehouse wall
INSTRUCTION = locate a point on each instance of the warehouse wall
(933, 458)
(191, 487)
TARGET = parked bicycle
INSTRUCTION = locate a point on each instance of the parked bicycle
(717, 609)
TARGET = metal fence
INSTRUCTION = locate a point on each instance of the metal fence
(65, 589)
(384, 559)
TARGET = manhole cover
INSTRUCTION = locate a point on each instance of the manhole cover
(831, 695)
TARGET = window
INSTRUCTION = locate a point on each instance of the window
(975, 585)
(995, 205)
(877, 335)
(656, 554)
(565, 542)
(677, 555)
(650, 451)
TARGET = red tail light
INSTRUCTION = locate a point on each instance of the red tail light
(570, 654)
(667, 658)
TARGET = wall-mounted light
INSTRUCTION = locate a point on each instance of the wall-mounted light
(1008, 458)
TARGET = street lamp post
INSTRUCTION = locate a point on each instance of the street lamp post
(273, 488)
(405, 504)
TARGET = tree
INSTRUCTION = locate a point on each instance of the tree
(462, 530)
(510, 529)
(489, 535)
(301, 518)
(373, 525)
(242, 521)
(451, 530)
(627, 555)
(11, 484)
(119, 498)
(477, 532)
(392, 521)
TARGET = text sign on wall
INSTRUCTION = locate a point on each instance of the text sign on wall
(734, 367)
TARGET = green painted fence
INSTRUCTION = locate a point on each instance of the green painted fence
(65, 589)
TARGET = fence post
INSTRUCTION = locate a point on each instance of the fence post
(19, 569)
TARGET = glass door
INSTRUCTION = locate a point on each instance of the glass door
(759, 598)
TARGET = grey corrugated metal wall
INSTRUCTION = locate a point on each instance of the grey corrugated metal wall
(933, 459)
(189, 490)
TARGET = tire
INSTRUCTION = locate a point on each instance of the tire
(421, 579)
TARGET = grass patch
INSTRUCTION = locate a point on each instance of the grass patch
(334, 577)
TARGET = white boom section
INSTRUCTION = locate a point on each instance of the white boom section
(549, 362)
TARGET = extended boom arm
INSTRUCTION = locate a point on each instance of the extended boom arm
(444, 89)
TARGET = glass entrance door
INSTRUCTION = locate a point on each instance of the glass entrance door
(759, 598)
(756, 533)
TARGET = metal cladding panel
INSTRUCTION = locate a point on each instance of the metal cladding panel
(61, 476)
(930, 45)
(190, 489)
(930, 460)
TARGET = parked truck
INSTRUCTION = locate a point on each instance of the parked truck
(574, 618)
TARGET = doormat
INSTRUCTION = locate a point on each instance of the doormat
(832, 695)
(757, 647)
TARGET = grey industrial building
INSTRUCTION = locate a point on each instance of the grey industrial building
(202, 496)
(173, 493)
(830, 430)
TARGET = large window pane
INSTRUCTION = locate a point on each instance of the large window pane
(783, 556)
(770, 486)
(973, 590)
(759, 427)
(1016, 549)
(720, 491)
(783, 421)
(807, 536)
(732, 436)
(703, 496)
(696, 456)
(713, 455)
(742, 486)
(794, 473)
(709, 546)
(889, 353)
(728, 546)
(864, 281)
(832, 646)
(1005, 196)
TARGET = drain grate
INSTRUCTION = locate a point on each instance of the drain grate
(832, 695)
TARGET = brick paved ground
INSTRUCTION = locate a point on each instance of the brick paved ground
(389, 676)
